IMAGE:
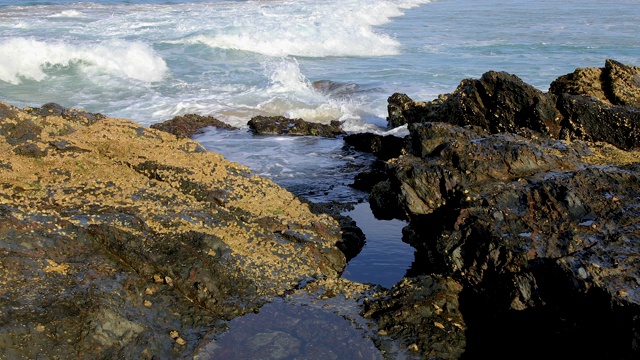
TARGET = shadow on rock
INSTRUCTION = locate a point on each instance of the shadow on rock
(528, 201)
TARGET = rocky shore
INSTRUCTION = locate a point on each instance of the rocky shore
(523, 209)
(127, 242)
(121, 241)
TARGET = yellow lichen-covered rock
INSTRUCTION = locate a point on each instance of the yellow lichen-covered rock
(86, 197)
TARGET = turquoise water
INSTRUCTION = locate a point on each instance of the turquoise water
(151, 60)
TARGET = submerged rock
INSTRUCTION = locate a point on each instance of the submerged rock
(114, 236)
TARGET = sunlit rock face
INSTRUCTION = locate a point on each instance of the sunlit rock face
(113, 235)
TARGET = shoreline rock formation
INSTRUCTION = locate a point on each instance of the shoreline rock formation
(529, 202)
(590, 104)
(280, 125)
(114, 236)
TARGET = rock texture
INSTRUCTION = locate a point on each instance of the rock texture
(589, 104)
(509, 195)
(186, 126)
(423, 312)
(383, 147)
(280, 125)
(124, 242)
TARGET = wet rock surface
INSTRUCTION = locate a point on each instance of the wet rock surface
(383, 147)
(424, 312)
(353, 239)
(186, 126)
(509, 195)
(124, 242)
(280, 125)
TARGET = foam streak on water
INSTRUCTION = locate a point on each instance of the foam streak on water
(157, 59)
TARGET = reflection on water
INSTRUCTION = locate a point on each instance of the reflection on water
(384, 259)
(286, 331)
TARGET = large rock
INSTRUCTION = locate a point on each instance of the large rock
(615, 84)
(530, 202)
(124, 242)
(590, 104)
(541, 233)
(498, 102)
(280, 125)
(186, 126)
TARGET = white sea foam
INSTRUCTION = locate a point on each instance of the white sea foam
(67, 13)
(28, 58)
(309, 28)
(286, 77)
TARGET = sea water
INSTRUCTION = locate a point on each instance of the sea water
(151, 60)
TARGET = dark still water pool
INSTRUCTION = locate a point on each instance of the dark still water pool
(384, 259)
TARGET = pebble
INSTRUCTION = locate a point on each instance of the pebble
(583, 273)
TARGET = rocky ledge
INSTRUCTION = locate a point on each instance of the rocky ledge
(524, 209)
(127, 242)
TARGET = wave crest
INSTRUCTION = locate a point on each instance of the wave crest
(323, 29)
(25, 58)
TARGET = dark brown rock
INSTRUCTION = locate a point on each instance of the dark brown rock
(75, 115)
(423, 314)
(188, 125)
(519, 197)
(498, 102)
(383, 147)
(367, 179)
(541, 236)
(585, 119)
(280, 125)
(589, 104)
